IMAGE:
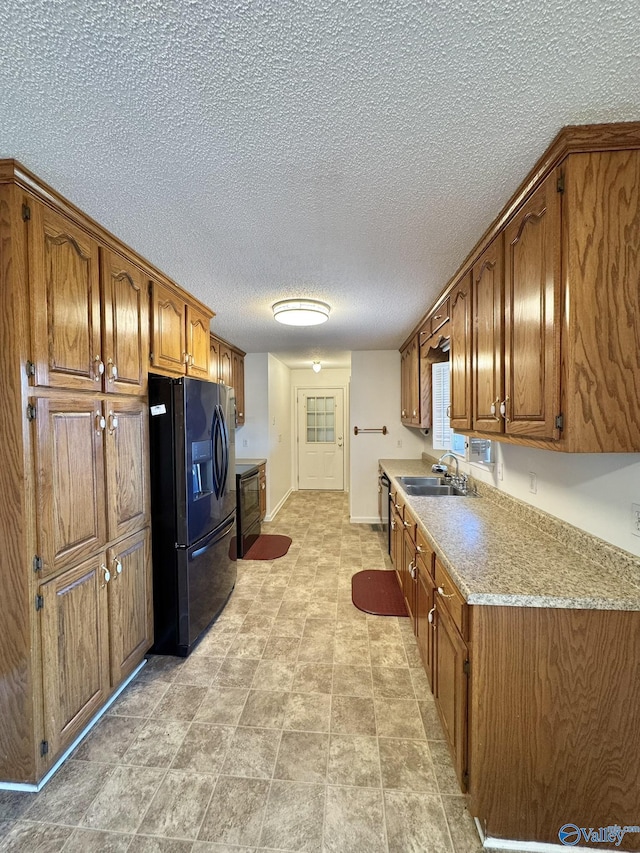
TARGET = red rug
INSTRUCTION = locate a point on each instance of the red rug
(378, 593)
(268, 546)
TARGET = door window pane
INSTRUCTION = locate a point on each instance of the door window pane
(320, 420)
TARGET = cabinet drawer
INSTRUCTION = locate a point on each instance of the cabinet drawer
(451, 598)
(426, 554)
(440, 316)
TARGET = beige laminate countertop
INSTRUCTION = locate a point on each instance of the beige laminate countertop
(497, 554)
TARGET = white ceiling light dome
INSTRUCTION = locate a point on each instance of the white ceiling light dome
(301, 312)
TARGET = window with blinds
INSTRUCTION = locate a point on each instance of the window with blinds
(440, 376)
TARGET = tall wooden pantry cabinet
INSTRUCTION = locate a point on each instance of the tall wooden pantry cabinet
(75, 562)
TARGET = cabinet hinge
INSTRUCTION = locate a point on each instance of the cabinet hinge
(31, 412)
(39, 602)
(559, 421)
(30, 368)
(26, 212)
(44, 747)
(560, 184)
(466, 667)
(37, 564)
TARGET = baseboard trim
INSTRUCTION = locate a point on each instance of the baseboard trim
(34, 788)
(270, 516)
(364, 519)
(490, 843)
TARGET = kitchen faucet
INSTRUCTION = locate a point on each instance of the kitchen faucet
(455, 459)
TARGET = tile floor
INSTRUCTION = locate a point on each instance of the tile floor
(298, 723)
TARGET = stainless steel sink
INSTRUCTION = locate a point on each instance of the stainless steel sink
(420, 481)
(430, 487)
(433, 491)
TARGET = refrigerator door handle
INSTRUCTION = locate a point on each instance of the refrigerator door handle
(224, 438)
(216, 453)
(213, 539)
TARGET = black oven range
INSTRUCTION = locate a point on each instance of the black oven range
(248, 506)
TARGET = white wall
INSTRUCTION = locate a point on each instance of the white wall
(252, 439)
(592, 491)
(375, 402)
(280, 438)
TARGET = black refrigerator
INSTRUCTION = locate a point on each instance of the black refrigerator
(193, 507)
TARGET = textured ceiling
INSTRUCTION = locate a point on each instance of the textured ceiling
(348, 150)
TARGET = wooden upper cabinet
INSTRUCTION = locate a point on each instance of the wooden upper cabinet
(532, 321)
(225, 365)
(126, 442)
(214, 359)
(125, 311)
(64, 287)
(168, 329)
(237, 366)
(198, 338)
(410, 383)
(460, 354)
(488, 322)
(130, 604)
(75, 651)
(69, 479)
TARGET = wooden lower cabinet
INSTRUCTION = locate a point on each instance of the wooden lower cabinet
(408, 564)
(424, 623)
(75, 651)
(96, 625)
(450, 666)
(130, 604)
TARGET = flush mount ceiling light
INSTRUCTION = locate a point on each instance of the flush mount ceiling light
(301, 312)
(316, 367)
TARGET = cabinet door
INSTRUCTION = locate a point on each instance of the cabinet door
(125, 312)
(168, 340)
(226, 367)
(410, 383)
(70, 499)
(65, 302)
(198, 342)
(396, 542)
(532, 320)
(450, 688)
(237, 362)
(488, 318)
(75, 650)
(460, 355)
(127, 452)
(214, 359)
(130, 604)
(425, 632)
(408, 567)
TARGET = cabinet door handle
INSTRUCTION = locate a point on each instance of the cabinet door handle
(404, 413)
(430, 618)
(503, 409)
(113, 371)
(98, 368)
(419, 549)
(494, 408)
(185, 357)
(100, 422)
(443, 593)
(118, 566)
(113, 423)
(393, 524)
(107, 574)
(407, 523)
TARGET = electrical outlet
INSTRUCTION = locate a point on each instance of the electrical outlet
(245, 443)
(533, 483)
(500, 471)
(635, 519)
(399, 442)
(280, 438)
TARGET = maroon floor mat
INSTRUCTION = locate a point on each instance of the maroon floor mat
(378, 592)
(268, 546)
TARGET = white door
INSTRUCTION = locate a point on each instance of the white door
(321, 438)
